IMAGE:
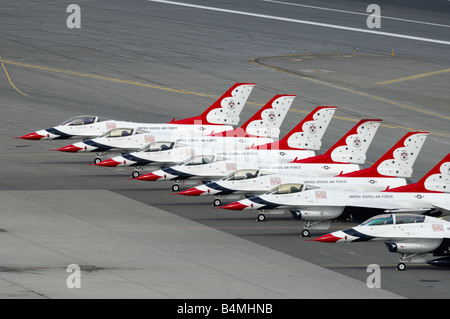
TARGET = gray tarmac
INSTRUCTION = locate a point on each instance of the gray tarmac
(147, 61)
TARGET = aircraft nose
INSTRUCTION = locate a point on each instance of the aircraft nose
(109, 162)
(328, 238)
(148, 177)
(234, 206)
(69, 148)
(191, 192)
(31, 136)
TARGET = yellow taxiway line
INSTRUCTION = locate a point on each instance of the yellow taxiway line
(413, 77)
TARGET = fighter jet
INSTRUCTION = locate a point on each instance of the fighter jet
(221, 115)
(350, 149)
(300, 142)
(318, 206)
(391, 170)
(125, 140)
(413, 236)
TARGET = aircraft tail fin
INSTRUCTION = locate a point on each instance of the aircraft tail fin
(437, 180)
(266, 122)
(351, 148)
(398, 161)
(226, 110)
(308, 133)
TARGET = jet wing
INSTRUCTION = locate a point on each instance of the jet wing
(415, 210)
(445, 209)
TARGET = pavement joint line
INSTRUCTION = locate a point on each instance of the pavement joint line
(413, 77)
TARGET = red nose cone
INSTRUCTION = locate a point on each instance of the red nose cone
(191, 192)
(329, 238)
(69, 148)
(109, 162)
(234, 206)
(32, 136)
(149, 177)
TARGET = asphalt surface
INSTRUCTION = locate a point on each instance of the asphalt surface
(129, 60)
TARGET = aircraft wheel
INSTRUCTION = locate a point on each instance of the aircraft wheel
(97, 160)
(135, 174)
(217, 202)
(305, 233)
(261, 218)
(401, 266)
(175, 188)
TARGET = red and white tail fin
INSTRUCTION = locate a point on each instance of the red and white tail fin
(398, 161)
(437, 180)
(225, 110)
(351, 148)
(266, 122)
(307, 134)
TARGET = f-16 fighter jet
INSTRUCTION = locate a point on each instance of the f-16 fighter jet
(318, 206)
(413, 236)
(221, 115)
(125, 140)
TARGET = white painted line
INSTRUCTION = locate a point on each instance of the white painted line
(358, 13)
(326, 25)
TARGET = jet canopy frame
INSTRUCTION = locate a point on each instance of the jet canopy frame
(202, 160)
(121, 132)
(290, 188)
(394, 219)
(157, 147)
(83, 120)
(244, 174)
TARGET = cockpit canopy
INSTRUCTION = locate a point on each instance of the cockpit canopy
(83, 120)
(390, 219)
(287, 189)
(199, 160)
(157, 147)
(120, 132)
(244, 174)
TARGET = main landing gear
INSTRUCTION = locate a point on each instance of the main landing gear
(406, 258)
(261, 218)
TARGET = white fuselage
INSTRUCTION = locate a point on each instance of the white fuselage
(425, 232)
(265, 183)
(137, 141)
(97, 129)
(329, 204)
(179, 154)
(220, 169)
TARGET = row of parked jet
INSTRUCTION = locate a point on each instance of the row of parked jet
(275, 176)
